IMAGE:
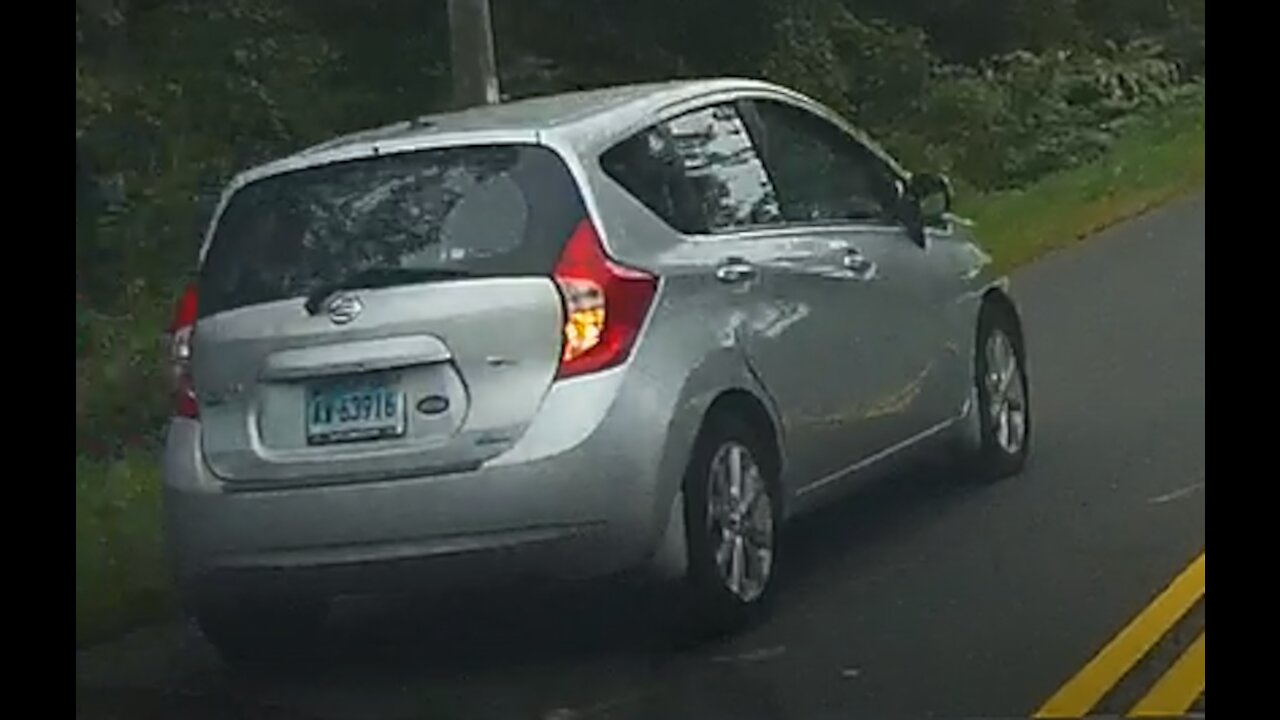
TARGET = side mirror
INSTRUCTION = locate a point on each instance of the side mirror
(933, 192)
(926, 203)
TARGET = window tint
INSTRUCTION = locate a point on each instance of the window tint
(492, 210)
(699, 172)
(821, 172)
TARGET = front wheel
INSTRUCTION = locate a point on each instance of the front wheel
(1002, 396)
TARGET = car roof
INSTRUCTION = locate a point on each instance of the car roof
(537, 113)
(549, 112)
(582, 119)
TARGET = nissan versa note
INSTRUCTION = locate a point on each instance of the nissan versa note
(631, 329)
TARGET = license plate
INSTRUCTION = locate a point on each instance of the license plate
(354, 412)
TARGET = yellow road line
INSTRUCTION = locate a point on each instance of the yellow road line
(1177, 690)
(1081, 693)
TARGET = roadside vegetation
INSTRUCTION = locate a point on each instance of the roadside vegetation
(1054, 117)
(1158, 158)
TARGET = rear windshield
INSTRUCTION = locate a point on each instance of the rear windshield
(476, 210)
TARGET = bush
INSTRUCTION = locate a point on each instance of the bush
(1021, 116)
(996, 123)
(200, 90)
(121, 398)
(121, 574)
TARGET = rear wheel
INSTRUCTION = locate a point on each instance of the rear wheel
(1002, 396)
(252, 631)
(732, 523)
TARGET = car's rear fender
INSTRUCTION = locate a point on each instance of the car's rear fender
(719, 374)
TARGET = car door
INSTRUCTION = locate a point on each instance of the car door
(881, 328)
(699, 170)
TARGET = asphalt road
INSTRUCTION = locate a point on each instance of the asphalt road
(918, 597)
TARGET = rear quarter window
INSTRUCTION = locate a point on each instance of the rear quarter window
(498, 210)
(698, 171)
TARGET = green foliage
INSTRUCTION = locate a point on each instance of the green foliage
(200, 90)
(804, 56)
(206, 88)
(1021, 116)
(121, 574)
(1158, 156)
(885, 68)
(997, 122)
(120, 381)
(967, 31)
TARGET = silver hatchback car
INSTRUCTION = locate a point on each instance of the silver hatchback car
(632, 329)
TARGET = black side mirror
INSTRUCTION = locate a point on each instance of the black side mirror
(933, 192)
(926, 203)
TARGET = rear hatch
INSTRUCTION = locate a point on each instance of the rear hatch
(389, 315)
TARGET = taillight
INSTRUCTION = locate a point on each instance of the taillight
(604, 304)
(184, 322)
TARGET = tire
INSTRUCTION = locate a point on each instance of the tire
(1002, 394)
(732, 551)
(256, 632)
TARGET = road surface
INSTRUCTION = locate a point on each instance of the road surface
(918, 597)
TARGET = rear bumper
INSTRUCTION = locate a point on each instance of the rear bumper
(579, 496)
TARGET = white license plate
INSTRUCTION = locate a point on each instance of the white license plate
(354, 412)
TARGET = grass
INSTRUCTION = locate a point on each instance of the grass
(1158, 158)
(122, 579)
(121, 575)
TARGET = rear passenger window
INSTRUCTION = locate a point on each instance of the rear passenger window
(699, 172)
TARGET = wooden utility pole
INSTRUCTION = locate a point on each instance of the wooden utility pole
(474, 69)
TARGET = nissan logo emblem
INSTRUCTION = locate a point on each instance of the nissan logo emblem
(343, 309)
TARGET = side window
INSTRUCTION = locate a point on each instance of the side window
(699, 172)
(822, 173)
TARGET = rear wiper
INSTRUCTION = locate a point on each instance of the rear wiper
(378, 277)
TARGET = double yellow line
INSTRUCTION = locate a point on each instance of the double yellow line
(1175, 692)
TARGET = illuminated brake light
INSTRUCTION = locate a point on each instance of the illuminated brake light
(605, 304)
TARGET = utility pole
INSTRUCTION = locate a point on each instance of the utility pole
(474, 69)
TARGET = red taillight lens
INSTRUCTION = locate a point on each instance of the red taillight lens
(180, 330)
(605, 304)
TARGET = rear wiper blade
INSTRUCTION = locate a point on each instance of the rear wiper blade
(378, 277)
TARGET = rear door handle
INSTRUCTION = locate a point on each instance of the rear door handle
(860, 267)
(735, 270)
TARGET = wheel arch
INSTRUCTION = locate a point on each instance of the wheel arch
(997, 299)
(721, 381)
(747, 406)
